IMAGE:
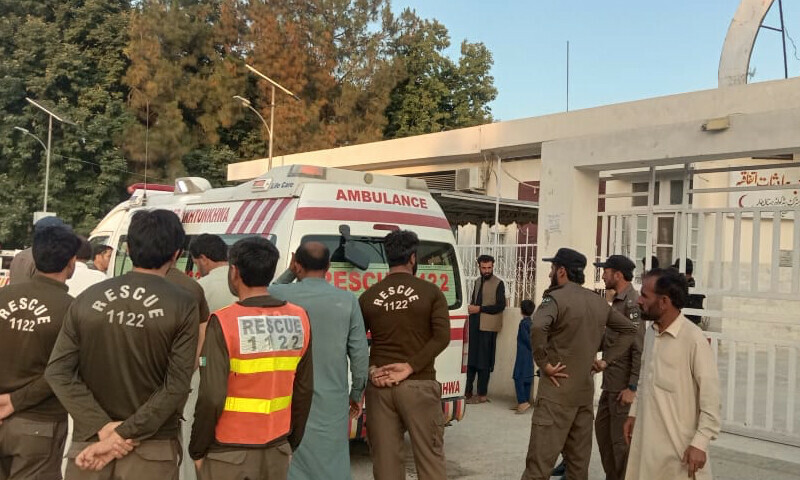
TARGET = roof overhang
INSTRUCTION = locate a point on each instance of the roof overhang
(462, 208)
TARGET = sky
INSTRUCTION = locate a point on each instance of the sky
(619, 50)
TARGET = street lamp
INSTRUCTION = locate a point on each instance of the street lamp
(49, 143)
(247, 103)
(28, 132)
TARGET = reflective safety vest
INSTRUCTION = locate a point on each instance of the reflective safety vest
(265, 345)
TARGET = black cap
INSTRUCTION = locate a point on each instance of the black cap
(50, 221)
(618, 262)
(568, 258)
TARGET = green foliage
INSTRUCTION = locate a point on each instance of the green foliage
(437, 94)
(67, 55)
(150, 85)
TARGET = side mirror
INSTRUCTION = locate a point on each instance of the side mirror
(353, 252)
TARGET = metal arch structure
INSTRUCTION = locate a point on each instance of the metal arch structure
(734, 61)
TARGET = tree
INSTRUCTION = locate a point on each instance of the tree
(180, 88)
(435, 93)
(149, 84)
(66, 55)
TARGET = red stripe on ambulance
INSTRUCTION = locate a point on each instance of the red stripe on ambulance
(238, 215)
(258, 216)
(276, 214)
(365, 215)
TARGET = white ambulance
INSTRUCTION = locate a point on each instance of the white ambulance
(349, 211)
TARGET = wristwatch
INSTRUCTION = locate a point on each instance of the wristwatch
(632, 387)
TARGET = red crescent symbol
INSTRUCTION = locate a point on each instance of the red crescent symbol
(741, 199)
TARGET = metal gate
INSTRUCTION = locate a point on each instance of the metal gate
(747, 264)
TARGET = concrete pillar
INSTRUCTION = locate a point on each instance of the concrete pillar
(567, 209)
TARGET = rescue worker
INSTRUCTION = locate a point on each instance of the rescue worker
(335, 316)
(123, 360)
(485, 321)
(210, 254)
(33, 424)
(23, 267)
(621, 377)
(256, 378)
(566, 334)
(410, 325)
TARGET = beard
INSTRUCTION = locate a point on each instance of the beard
(230, 285)
(553, 281)
(487, 276)
(414, 269)
(651, 315)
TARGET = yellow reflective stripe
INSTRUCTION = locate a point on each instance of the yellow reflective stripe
(268, 364)
(257, 405)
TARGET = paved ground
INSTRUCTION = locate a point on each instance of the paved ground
(490, 443)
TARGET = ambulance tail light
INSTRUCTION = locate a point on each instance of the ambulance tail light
(308, 171)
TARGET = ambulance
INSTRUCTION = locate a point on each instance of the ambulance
(6, 256)
(348, 211)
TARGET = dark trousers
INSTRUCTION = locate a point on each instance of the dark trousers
(257, 463)
(560, 429)
(414, 406)
(31, 449)
(523, 387)
(611, 416)
(483, 380)
(156, 459)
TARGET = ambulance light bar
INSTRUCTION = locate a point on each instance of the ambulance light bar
(261, 184)
(186, 185)
(416, 184)
(309, 171)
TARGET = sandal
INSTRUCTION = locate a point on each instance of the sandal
(521, 409)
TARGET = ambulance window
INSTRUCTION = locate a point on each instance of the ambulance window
(99, 240)
(437, 263)
(185, 263)
(7, 262)
(122, 262)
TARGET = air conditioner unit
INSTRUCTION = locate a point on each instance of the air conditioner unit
(469, 179)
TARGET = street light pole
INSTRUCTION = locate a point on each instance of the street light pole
(49, 143)
(246, 103)
(271, 124)
(271, 107)
(47, 162)
(47, 153)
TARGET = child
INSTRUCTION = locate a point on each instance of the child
(523, 366)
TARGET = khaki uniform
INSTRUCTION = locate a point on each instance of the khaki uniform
(126, 353)
(192, 286)
(22, 267)
(568, 328)
(32, 438)
(221, 461)
(618, 376)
